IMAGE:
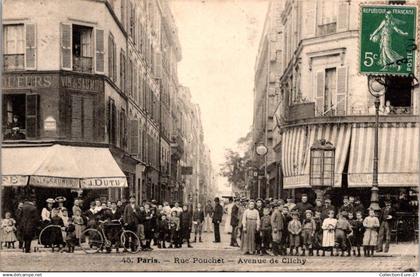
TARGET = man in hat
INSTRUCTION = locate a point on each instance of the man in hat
(303, 206)
(29, 221)
(384, 236)
(217, 218)
(234, 222)
(277, 225)
(327, 207)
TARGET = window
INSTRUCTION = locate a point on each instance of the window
(112, 58)
(330, 89)
(398, 95)
(122, 71)
(331, 92)
(327, 23)
(123, 129)
(14, 116)
(112, 121)
(132, 26)
(82, 48)
(82, 117)
(14, 47)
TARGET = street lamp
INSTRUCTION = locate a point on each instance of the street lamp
(376, 89)
(261, 151)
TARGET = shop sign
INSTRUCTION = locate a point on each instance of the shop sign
(14, 181)
(50, 124)
(93, 183)
(29, 81)
(85, 83)
(54, 182)
(186, 170)
(388, 40)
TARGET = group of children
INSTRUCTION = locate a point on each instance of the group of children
(346, 233)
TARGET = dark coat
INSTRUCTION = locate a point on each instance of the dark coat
(198, 216)
(303, 207)
(163, 226)
(234, 217)
(131, 215)
(218, 213)
(29, 220)
(186, 224)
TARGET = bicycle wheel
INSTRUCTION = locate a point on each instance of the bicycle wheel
(130, 241)
(50, 235)
(91, 241)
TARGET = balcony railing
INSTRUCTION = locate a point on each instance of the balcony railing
(358, 110)
(13, 62)
(83, 64)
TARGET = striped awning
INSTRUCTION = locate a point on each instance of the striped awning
(296, 147)
(398, 155)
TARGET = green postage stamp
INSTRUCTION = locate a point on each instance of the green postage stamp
(388, 40)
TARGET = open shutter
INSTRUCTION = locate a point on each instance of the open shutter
(76, 116)
(110, 57)
(66, 43)
(115, 62)
(30, 54)
(123, 14)
(157, 65)
(134, 137)
(32, 115)
(100, 51)
(341, 91)
(343, 16)
(309, 18)
(320, 87)
(88, 109)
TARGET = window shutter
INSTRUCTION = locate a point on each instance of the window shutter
(32, 115)
(341, 101)
(115, 62)
(309, 18)
(30, 56)
(88, 110)
(100, 51)
(343, 16)
(110, 57)
(123, 14)
(76, 116)
(134, 137)
(112, 119)
(66, 45)
(157, 65)
(320, 87)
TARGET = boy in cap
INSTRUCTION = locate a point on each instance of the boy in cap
(342, 231)
(265, 231)
(295, 228)
(308, 232)
(277, 225)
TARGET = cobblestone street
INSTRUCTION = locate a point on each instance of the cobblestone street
(205, 256)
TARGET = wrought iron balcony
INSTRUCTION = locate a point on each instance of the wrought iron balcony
(83, 64)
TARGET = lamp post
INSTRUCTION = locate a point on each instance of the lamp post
(261, 151)
(376, 89)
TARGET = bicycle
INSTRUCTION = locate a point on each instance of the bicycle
(92, 240)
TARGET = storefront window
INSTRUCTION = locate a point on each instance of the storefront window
(322, 164)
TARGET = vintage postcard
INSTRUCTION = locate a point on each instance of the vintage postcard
(210, 135)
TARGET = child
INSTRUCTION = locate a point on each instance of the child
(163, 229)
(358, 229)
(285, 236)
(308, 232)
(265, 231)
(370, 237)
(328, 234)
(78, 222)
(70, 235)
(8, 230)
(56, 236)
(317, 240)
(294, 227)
(342, 229)
(174, 229)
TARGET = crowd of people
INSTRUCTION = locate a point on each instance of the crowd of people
(274, 227)
(287, 228)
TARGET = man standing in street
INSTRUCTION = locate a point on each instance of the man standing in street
(384, 231)
(29, 221)
(303, 206)
(234, 222)
(208, 213)
(217, 219)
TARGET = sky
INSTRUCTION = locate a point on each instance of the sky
(219, 41)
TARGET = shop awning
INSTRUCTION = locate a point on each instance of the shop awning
(61, 166)
(398, 156)
(296, 145)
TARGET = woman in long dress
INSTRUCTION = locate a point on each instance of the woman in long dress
(328, 234)
(228, 227)
(251, 225)
(383, 35)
